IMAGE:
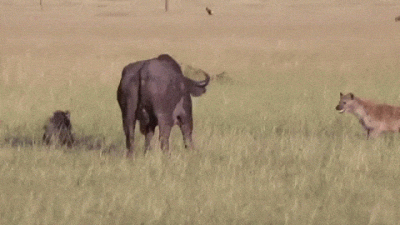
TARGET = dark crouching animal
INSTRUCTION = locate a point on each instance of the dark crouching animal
(155, 92)
(58, 129)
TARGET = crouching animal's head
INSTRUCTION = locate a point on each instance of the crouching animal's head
(346, 103)
(58, 129)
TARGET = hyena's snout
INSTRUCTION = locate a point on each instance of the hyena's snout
(339, 108)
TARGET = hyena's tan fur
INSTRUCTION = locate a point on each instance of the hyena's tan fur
(375, 118)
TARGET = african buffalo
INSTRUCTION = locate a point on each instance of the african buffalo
(155, 92)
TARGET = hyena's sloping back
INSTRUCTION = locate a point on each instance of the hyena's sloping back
(384, 112)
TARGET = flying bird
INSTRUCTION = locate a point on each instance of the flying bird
(209, 11)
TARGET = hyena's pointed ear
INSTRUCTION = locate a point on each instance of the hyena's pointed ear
(351, 96)
(341, 94)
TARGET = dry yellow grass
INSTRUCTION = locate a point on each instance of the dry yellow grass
(272, 149)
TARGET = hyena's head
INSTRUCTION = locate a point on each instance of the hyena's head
(346, 103)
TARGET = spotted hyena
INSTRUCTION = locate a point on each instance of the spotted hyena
(58, 129)
(375, 118)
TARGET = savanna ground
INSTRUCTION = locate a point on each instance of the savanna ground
(270, 147)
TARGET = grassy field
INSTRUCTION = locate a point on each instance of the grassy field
(271, 149)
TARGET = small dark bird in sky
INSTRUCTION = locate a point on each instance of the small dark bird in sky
(209, 11)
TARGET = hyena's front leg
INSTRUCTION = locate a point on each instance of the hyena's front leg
(368, 131)
(373, 133)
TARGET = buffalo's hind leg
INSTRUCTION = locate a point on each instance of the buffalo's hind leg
(148, 131)
(186, 126)
(148, 136)
(129, 128)
(129, 106)
(148, 124)
(165, 131)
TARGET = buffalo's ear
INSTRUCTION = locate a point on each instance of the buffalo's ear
(341, 94)
(351, 96)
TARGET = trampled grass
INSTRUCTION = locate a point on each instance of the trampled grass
(270, 147)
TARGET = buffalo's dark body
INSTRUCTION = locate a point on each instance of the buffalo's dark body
(156, 93)
(58, 129)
